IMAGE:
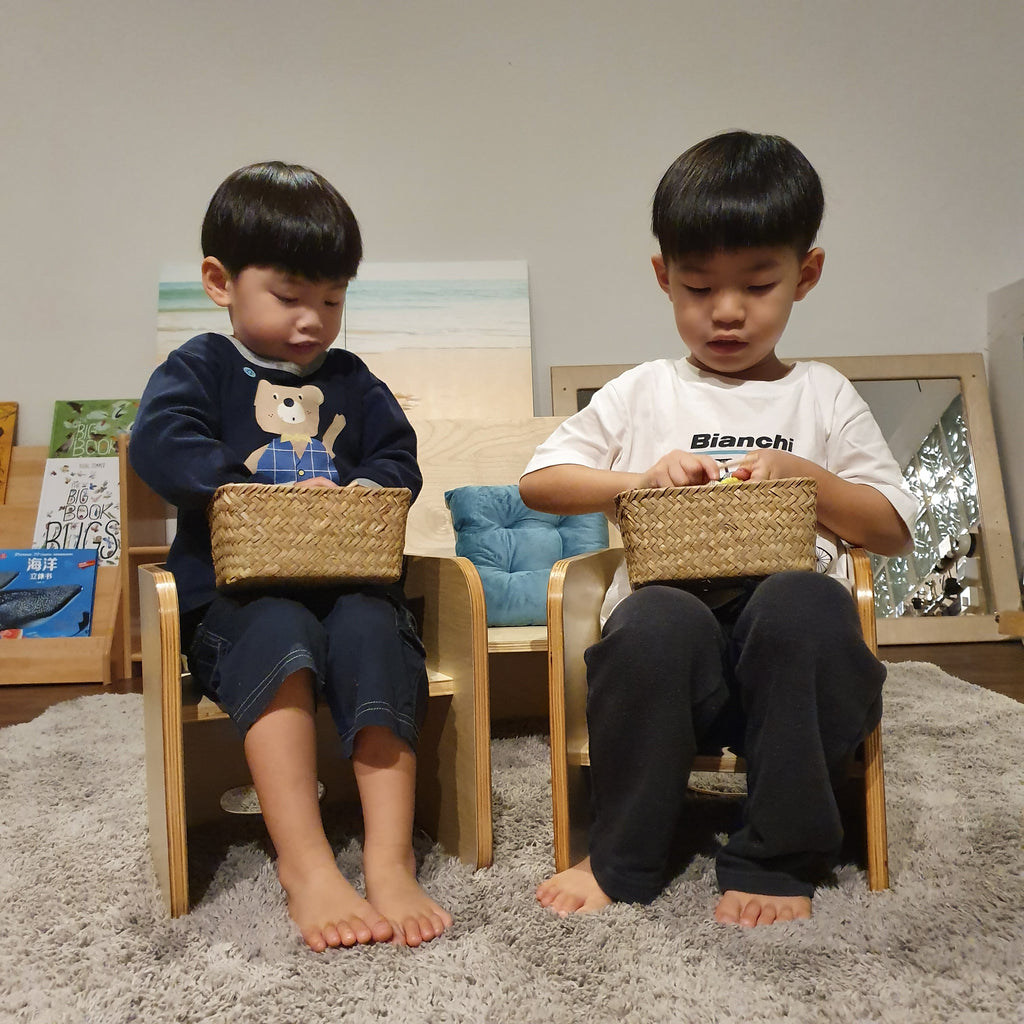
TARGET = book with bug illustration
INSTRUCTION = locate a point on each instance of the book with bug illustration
(46, 593)
(80, 507)
(89, 427)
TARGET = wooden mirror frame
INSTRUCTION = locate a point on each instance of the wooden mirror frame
(998, 564)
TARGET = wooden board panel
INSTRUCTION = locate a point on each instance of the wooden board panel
(455, 453)
(8, 419)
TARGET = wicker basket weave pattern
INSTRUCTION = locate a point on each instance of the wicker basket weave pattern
(262, 534)
(711, 531)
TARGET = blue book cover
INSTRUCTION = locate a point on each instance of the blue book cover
(46, 592)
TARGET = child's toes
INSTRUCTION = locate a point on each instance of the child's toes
(315, 940)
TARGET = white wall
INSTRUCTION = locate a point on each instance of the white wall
(1006, 391)
(507, 130)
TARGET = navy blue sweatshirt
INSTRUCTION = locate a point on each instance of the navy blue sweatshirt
(201, 420)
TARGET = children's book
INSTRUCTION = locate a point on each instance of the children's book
(46, 593)
(8, 418)
(89, 428)
(80, 507)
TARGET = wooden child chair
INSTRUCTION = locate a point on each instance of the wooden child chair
(575, 592)
(194, 753)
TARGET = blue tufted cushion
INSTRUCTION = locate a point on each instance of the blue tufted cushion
(514, 548)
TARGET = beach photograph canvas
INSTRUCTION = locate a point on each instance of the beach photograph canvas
(451, 339)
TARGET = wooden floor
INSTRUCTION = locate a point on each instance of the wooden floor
(995, 666)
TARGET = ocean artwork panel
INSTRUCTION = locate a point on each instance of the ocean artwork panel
(451, 339)
(184, 309)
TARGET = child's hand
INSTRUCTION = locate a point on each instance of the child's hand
(681, 469)
(316, 481)
(771, 464)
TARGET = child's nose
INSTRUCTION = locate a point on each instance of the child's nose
(728, 307)
(309, 318)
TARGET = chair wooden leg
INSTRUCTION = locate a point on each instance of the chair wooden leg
(559, 763)
(874, 804)
(165, 778)
(570, 795)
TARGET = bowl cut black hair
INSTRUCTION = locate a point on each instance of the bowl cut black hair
(283, 216)
(737, 190)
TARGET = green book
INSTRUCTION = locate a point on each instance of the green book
(89, 428)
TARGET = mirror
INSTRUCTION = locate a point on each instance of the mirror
(934, 412)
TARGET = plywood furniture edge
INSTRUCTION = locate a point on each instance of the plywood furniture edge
(86, 659)
(1011, 623)
(874, 770)
(576, 588)
(165, 773)
(143, 541)
(8, 421)
(454, 632)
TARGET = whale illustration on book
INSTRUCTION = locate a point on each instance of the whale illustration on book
(18, 608)
(7, 577)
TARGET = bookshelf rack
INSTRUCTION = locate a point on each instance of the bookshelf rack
(91, 659)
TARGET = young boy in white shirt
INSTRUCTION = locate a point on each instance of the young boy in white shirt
(777, 669)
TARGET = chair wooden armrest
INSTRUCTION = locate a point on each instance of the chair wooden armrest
(165, 762)
(193, 753)
(874, 767)
(576, 591)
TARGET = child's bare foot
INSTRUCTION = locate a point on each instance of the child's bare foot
(392, 888)
(574, 890)
(329, 912)
(750, 909)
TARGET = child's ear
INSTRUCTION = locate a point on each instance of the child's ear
(810, 272)
(660, 271)
(216, 281)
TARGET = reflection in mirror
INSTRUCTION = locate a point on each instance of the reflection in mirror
(924, 423)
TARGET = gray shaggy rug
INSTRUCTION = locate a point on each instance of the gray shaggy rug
(83, 936)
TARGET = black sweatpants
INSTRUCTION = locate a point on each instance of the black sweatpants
(781, 675)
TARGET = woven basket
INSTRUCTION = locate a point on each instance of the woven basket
(262, 534)
(716, 531)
